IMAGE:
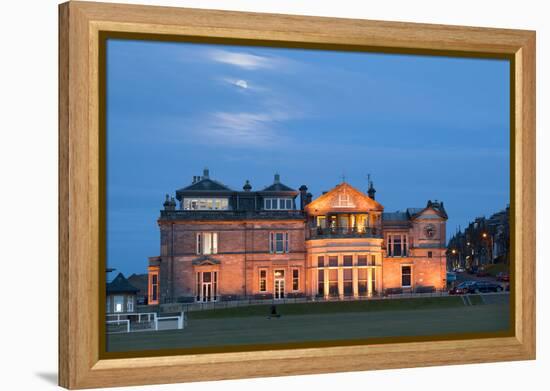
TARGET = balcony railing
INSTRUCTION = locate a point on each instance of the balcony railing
(345, 232)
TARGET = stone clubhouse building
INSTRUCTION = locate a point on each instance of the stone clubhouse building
(221, 244)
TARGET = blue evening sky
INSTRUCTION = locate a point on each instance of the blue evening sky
(424, 128)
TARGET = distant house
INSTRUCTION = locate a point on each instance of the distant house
(140, 281)
(121, 295)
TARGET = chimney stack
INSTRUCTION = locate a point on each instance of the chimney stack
(277, 178)
(205, 173)
(303, 195)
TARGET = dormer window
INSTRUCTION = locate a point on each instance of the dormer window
(278, 204)
(205, 204)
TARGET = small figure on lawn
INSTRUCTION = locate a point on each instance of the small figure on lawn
(273, 312)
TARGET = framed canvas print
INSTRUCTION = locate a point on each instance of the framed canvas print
(247, 195)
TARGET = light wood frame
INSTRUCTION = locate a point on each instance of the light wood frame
(80, 365)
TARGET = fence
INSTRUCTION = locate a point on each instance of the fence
(243, 301)
(144, 321)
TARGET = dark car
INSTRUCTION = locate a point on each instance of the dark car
(505, 277)
(484, 287)
(462, 288)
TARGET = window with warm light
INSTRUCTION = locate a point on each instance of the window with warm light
(263, 281)
(205, 204)
(207, 243)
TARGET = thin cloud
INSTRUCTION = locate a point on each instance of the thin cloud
(242, 129)
(243, 60)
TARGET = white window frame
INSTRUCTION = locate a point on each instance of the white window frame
(115, 304)
(273, 242)
(129, 304)
(278, 203)
(410, 276)
(403, 244)
(260, 279)
(205, 203)
(206, 243)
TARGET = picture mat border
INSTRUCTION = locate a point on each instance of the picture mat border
(83, 25)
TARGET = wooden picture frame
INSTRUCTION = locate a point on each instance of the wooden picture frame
(80, 182)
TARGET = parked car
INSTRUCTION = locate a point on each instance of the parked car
(485, 287)
(462, 288)
(505, 277)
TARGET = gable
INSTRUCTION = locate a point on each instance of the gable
(428, 214)
(343, 197)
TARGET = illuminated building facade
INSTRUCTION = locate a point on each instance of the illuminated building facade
(220, 244)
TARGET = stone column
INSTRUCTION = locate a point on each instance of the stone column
(369, 281)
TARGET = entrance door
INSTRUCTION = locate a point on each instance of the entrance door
(207, 286)
(279, 285)
(206, 291)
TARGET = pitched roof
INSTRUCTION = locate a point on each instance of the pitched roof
(395, 216)
(120, 285)
(278, 187)
(139, 281)
(206, 184)
(326, 202)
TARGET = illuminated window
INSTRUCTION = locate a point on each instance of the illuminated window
(153, 288)
(278, 242)
(119, 303)
(207, 243)
(278, 204)
(205, 204)
(263, 280)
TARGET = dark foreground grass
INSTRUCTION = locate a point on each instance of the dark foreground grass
(331, 307)
(328, 326)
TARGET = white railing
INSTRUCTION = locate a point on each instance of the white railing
(118, 322)
(142, 320)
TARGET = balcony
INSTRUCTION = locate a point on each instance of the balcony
(345, 232)
(229, 215)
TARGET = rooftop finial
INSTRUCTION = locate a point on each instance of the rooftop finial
(371, 190)
(247, 186)
(277, 178)
(205, 173)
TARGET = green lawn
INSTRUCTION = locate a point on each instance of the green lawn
(321, 322)
(331, 307)
(475, 299)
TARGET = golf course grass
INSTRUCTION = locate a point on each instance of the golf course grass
(331, 321)
(331, 307)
